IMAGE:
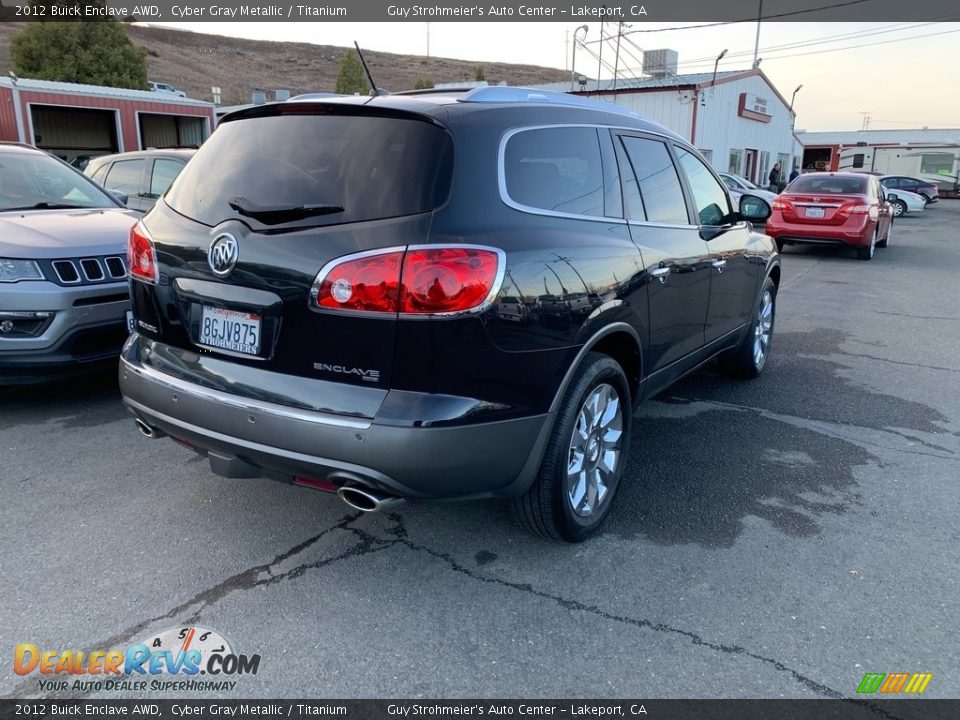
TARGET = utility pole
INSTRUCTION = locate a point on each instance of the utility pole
(428, 39)
(756, 44)
(616, 60)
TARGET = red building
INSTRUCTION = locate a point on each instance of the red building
(68, 119)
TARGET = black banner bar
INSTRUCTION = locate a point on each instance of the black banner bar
(190, 709)
(635, 12)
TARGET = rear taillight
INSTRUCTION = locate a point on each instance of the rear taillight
(367, 282)
(449, 279)
(861, 209)
(141, 255)
(429, 280)
(781, 204)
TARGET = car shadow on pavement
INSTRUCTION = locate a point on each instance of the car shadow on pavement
(87, 400)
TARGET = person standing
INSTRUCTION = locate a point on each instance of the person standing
(774, 178)
(795, 174)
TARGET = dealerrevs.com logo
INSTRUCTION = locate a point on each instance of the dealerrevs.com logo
(171, 660)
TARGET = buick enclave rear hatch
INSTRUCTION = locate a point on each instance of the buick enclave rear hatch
(268, 201)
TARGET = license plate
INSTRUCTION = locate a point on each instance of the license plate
(230, 330)
(815, 212)
(131, 326)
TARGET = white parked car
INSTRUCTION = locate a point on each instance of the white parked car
(739, 187)
(904, 201)
(160, 87)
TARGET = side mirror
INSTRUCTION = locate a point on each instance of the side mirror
(119, 196)
(754, 209)
(892, 196)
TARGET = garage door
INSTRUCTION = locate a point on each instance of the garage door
(169, 131)
(69, 132)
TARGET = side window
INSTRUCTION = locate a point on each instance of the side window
(557, 169)
(858, 160)
(100, 173)
(713, 208)
(164, 172)
(124, 176)
(652, 191)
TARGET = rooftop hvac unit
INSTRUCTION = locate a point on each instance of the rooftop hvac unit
(258, 97)
(281, 95)
(660, 63)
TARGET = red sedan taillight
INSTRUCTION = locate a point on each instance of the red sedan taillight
(428, 280)
(141, 255)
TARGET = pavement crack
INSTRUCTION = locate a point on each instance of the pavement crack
(400, 533)
(917, 317)
(895, 362)
(245, 580)
(820, 426)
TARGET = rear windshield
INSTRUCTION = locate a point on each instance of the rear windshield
(829, 185)
(358, 168)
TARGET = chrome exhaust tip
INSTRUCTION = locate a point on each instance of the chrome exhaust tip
(366, 500)
(148, 431)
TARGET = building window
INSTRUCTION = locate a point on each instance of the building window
(707, 155)
(764, 167)
(858, 160)
(736, 162)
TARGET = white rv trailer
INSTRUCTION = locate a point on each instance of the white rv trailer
(939, 164)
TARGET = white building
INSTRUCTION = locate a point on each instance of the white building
(737, 119)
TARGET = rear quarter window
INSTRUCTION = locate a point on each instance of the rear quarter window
(557, 169)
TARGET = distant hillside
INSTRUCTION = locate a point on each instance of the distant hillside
(194, 62)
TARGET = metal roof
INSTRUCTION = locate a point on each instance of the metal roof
(921, 136)
(100, 91)
(642, 83)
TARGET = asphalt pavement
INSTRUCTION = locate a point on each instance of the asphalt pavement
(775, 538)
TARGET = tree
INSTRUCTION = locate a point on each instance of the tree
(351, 78)
(478, 74)
(97, 52)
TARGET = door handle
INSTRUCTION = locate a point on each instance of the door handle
(718, 264)
(660, 273)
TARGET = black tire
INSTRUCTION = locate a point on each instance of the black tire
(780, 245)
(546, 509)
(866, 253)
(743, 361)
(899, 208)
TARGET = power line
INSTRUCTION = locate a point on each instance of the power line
(828, 39)
(853, 47)
(750, 20)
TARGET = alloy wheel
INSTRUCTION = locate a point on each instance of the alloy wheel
(596, 451)
(763, 330)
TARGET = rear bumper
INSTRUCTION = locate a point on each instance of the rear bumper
(246, 437)
(820, 234)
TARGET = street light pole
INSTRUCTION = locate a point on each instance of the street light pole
(756, 44)
(573, 61)
(716, 65)
(794, 97)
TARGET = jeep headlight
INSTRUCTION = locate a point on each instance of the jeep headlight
(15, 270)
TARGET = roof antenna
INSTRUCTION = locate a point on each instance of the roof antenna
(375, 90)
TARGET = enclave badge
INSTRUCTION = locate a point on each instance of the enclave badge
(223, 253)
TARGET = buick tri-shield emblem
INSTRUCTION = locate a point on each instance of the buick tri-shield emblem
(223, 254)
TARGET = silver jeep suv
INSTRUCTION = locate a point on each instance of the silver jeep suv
(64, 296)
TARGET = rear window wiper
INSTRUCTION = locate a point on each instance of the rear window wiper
(275, 215)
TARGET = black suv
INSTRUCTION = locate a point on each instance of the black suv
(439, 295)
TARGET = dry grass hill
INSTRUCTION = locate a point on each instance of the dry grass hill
(194, 62)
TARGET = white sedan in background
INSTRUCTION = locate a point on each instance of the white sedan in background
(904, 201)
(739, 187)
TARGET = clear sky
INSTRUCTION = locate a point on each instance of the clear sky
(901, 75)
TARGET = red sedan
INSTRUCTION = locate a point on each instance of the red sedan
(830, 209)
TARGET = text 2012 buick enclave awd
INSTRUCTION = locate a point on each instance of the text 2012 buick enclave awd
(439, 295)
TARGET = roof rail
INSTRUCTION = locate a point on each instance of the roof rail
(315, 96)
(499, 94)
